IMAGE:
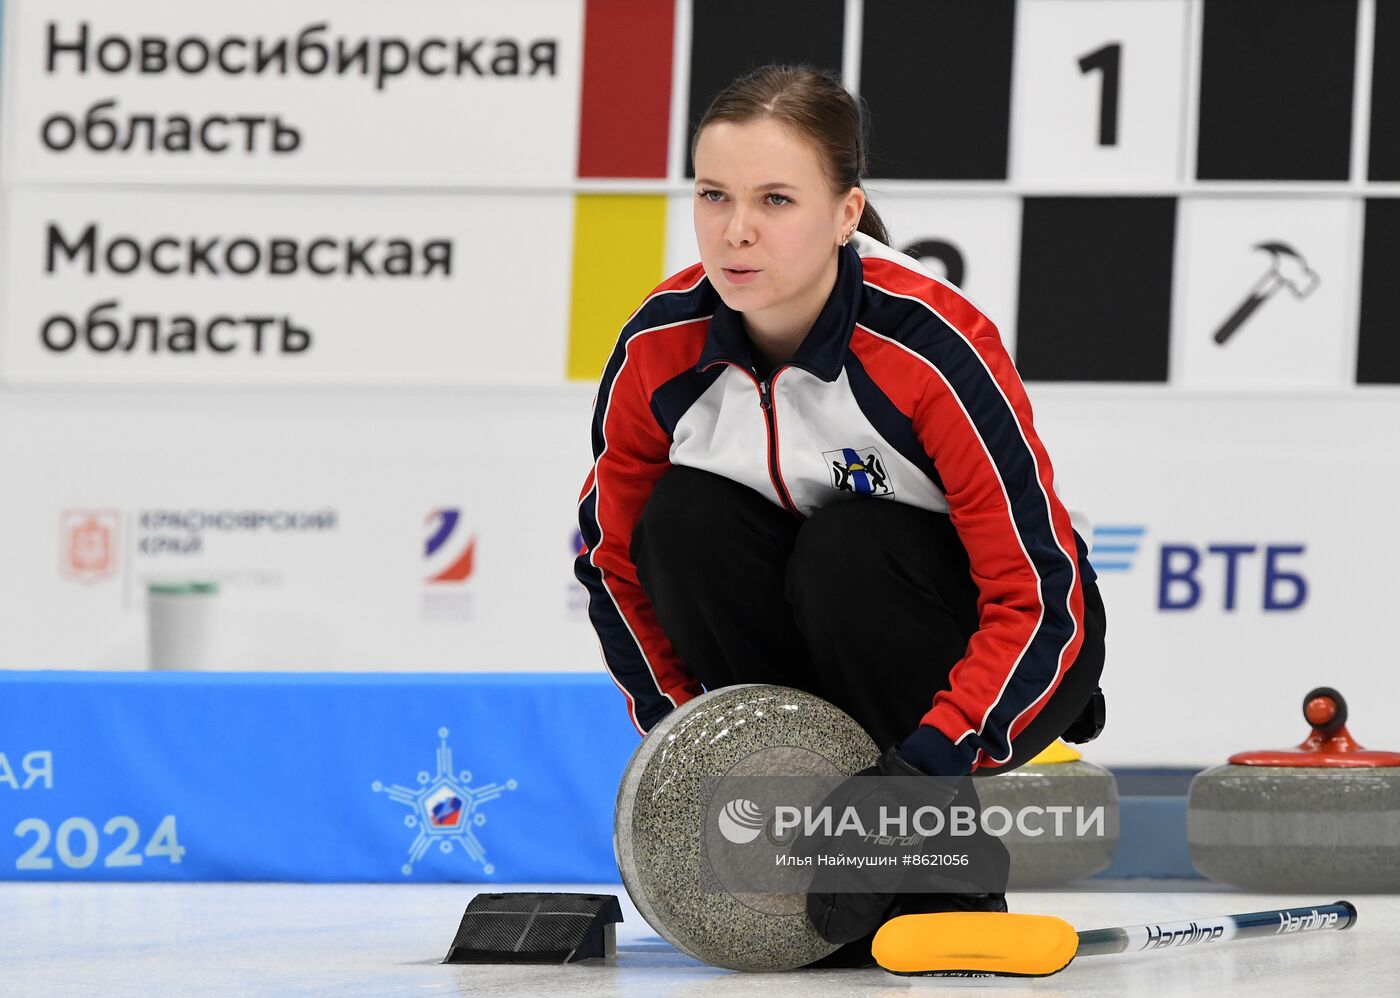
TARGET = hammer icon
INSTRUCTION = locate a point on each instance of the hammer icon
(1287, 269)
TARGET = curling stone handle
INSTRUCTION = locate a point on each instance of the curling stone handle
(1326, 710)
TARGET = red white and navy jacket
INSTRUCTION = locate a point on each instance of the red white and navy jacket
(902, 390)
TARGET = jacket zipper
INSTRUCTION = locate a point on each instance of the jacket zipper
(770, 419)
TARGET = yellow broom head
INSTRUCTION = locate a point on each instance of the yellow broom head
(960, 943)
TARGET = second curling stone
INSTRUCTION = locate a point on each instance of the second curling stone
(1324, 816)
(1073, 805)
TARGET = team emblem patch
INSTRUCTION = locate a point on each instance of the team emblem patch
(858, 471)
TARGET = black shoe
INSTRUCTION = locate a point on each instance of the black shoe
(857, 953)
(929, 904)
(852, 954)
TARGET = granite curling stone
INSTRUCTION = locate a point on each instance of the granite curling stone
(1072, 843)
(712, 766)
(1324, 816)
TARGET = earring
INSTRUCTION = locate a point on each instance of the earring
(849, 233)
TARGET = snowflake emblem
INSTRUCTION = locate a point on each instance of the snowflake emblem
(444, 809)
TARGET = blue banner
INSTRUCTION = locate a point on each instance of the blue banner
(505, 778)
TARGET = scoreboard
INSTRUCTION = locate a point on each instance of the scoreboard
(1195, 193)
(1157, 191)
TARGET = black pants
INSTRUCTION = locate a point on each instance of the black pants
(867, 604)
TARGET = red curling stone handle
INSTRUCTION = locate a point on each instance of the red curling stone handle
(1328, 745)
(1326, 710)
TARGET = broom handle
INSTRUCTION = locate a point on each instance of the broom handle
(1198, 931)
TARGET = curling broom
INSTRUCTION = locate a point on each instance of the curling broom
(981, 946)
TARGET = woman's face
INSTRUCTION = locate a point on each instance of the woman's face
(765, 218)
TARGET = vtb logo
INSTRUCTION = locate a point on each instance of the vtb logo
(1115, 547)
(450, 554)
(1188, 577)
(88, 539)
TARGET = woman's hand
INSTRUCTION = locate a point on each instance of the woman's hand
(858, 870)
